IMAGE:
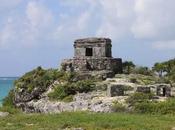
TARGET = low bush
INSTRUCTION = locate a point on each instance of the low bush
(84, 86)
(118, 107)
(142, 103)
(61, 92)
(38, 78)
(11, 110)
(8, 100)
(143, 79)
(68, 98)
(8, 104)
(143, 70)
(58, 93)
(139, 98)
(153, 107)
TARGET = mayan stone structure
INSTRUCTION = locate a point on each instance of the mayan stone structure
(93, 56)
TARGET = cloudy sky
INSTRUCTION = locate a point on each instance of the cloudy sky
(41, 32)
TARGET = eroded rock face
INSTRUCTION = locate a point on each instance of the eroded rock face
(23, 96)
(94, 101)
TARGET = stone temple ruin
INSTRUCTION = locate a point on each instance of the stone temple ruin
(159, 90)
(93, 56)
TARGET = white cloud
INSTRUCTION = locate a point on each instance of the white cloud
(38, 21)
(74, 26)
(38, 15)
(117, 17)
(149, 20)
(142, 26)
(29, 28)
(7, 34)
(70, 28)
(154, 19)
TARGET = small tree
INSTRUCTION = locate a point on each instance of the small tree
(159, 68)
(143, 70)
(127, 66)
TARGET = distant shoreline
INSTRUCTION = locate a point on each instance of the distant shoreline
(8, 78)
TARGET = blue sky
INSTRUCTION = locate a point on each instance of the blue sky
(41, 32)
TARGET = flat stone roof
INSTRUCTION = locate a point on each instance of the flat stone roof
(92, 40)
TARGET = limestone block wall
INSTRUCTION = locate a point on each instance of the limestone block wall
(96, 51)
(93, 64)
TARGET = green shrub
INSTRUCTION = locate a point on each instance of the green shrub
(144, 107)
(118, 107)
(8, 100)
(37, 78)
(8, 104)
(139, 98)
(11, 110)
(165, 107)
(84, 86)
(68, 98)
(143, 79)
(42, 78)
(143, 70)
(60, 92)
(69, 76)
(142, 103)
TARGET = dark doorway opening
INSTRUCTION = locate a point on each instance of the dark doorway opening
(89, 52)
(164, 92)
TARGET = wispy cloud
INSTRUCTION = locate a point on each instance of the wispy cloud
(130, 24)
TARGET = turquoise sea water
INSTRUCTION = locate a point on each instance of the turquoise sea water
(6, 84)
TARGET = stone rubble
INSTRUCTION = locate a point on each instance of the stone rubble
(4, 114)
(93, 101)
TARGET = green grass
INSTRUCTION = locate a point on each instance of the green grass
(88, 121)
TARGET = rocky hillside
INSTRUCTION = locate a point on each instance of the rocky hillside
(53, 91)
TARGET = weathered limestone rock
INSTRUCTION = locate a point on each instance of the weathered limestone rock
(93, 101)
(4, 114)
(101, 100)
(173, 91)
(143, 89)
(115, 90)
(23, 95)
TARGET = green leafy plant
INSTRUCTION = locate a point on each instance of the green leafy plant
(38, 78)
(138, 98)
(153, 107)
(61, 92)
(118, 107)
(8, 100)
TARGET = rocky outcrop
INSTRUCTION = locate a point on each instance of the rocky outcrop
(22, 95)
(4, 114)
(94, 101)
(101, 100)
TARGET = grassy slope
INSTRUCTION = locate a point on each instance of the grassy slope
(89, 121)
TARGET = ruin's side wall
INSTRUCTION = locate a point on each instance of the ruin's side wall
(90, 64)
